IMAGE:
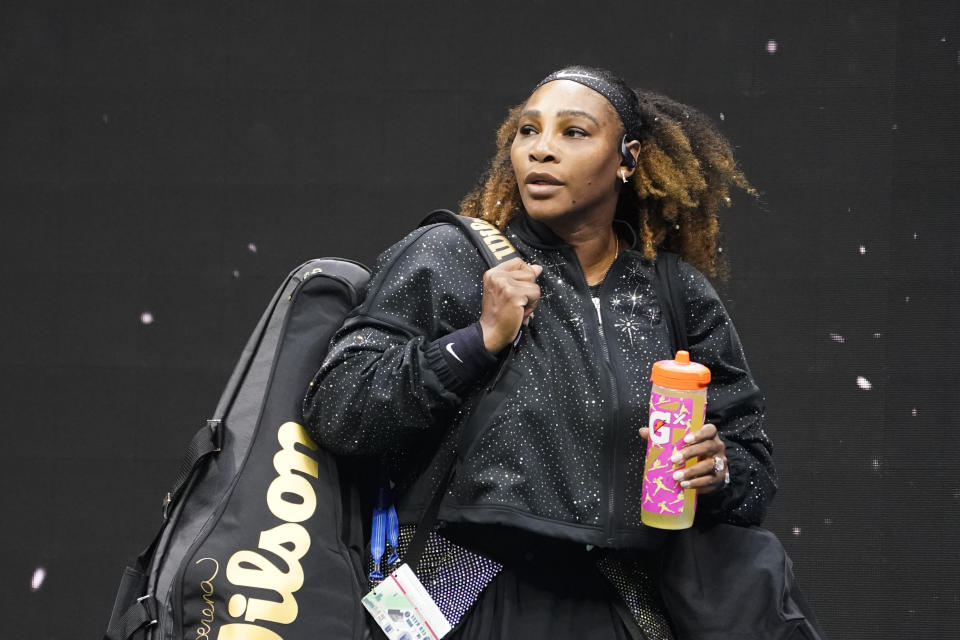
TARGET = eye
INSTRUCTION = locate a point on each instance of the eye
(575, 132)
(527, 130)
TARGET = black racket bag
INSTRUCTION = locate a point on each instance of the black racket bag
(250, 549)
(263, 531)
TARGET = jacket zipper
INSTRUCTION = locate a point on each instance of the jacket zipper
(610, 444)
(614, 432)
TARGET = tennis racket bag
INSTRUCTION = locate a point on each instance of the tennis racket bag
(256, 525)
(263, 531)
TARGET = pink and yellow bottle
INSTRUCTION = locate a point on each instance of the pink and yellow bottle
(678, 402)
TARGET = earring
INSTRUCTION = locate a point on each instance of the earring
(623, 175)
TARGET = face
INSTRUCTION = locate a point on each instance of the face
(566, 155)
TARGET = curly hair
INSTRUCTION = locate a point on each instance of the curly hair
(683, 177)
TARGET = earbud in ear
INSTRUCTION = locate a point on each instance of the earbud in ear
(625, 154)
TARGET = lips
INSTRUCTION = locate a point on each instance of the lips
(540, 178)
(542, 185)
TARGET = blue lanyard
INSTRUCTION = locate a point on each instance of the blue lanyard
(385, 530)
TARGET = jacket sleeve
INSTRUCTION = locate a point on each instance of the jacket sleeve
(384, 382)
(734, 404)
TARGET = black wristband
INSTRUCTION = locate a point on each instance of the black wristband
(460, 358)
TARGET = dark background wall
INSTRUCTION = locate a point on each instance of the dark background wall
(163, 165)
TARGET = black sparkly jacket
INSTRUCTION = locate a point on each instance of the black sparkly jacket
(561, 455)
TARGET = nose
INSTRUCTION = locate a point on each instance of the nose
(542, 149)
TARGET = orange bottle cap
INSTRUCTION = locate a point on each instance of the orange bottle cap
(680, 373)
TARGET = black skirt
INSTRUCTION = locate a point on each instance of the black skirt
(551, 598)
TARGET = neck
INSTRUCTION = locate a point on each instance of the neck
(596, 246)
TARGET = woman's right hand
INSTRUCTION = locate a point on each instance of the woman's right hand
(510, 295)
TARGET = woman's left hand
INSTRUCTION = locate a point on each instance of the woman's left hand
(705, 446)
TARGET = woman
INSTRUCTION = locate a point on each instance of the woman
(542, 534)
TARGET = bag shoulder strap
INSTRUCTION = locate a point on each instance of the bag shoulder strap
(493, 246)
(667, 270)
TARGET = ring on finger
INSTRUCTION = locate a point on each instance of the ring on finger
(719, 464)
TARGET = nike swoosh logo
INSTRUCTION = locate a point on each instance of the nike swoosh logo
(450, 349)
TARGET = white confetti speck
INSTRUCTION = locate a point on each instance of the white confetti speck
(236, 274)
(863, 249)
(863, 383)
(828, 521)
(877, 335)
(875, 464)
(914, 235)
(722, 117)
(38, 577)
(913, 412)
(105, 118)
(771, 46)
(146, 318)
(836, 337)
(796, 531)
(906, 299)
(252, 248)
(894, 127)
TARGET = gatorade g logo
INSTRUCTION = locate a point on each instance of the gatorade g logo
(660, 427)
(292, 499)
(494, 240)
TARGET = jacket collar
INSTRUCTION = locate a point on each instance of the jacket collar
(535, 232)
(539, 235)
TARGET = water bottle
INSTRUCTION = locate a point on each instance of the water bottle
(678, 402)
